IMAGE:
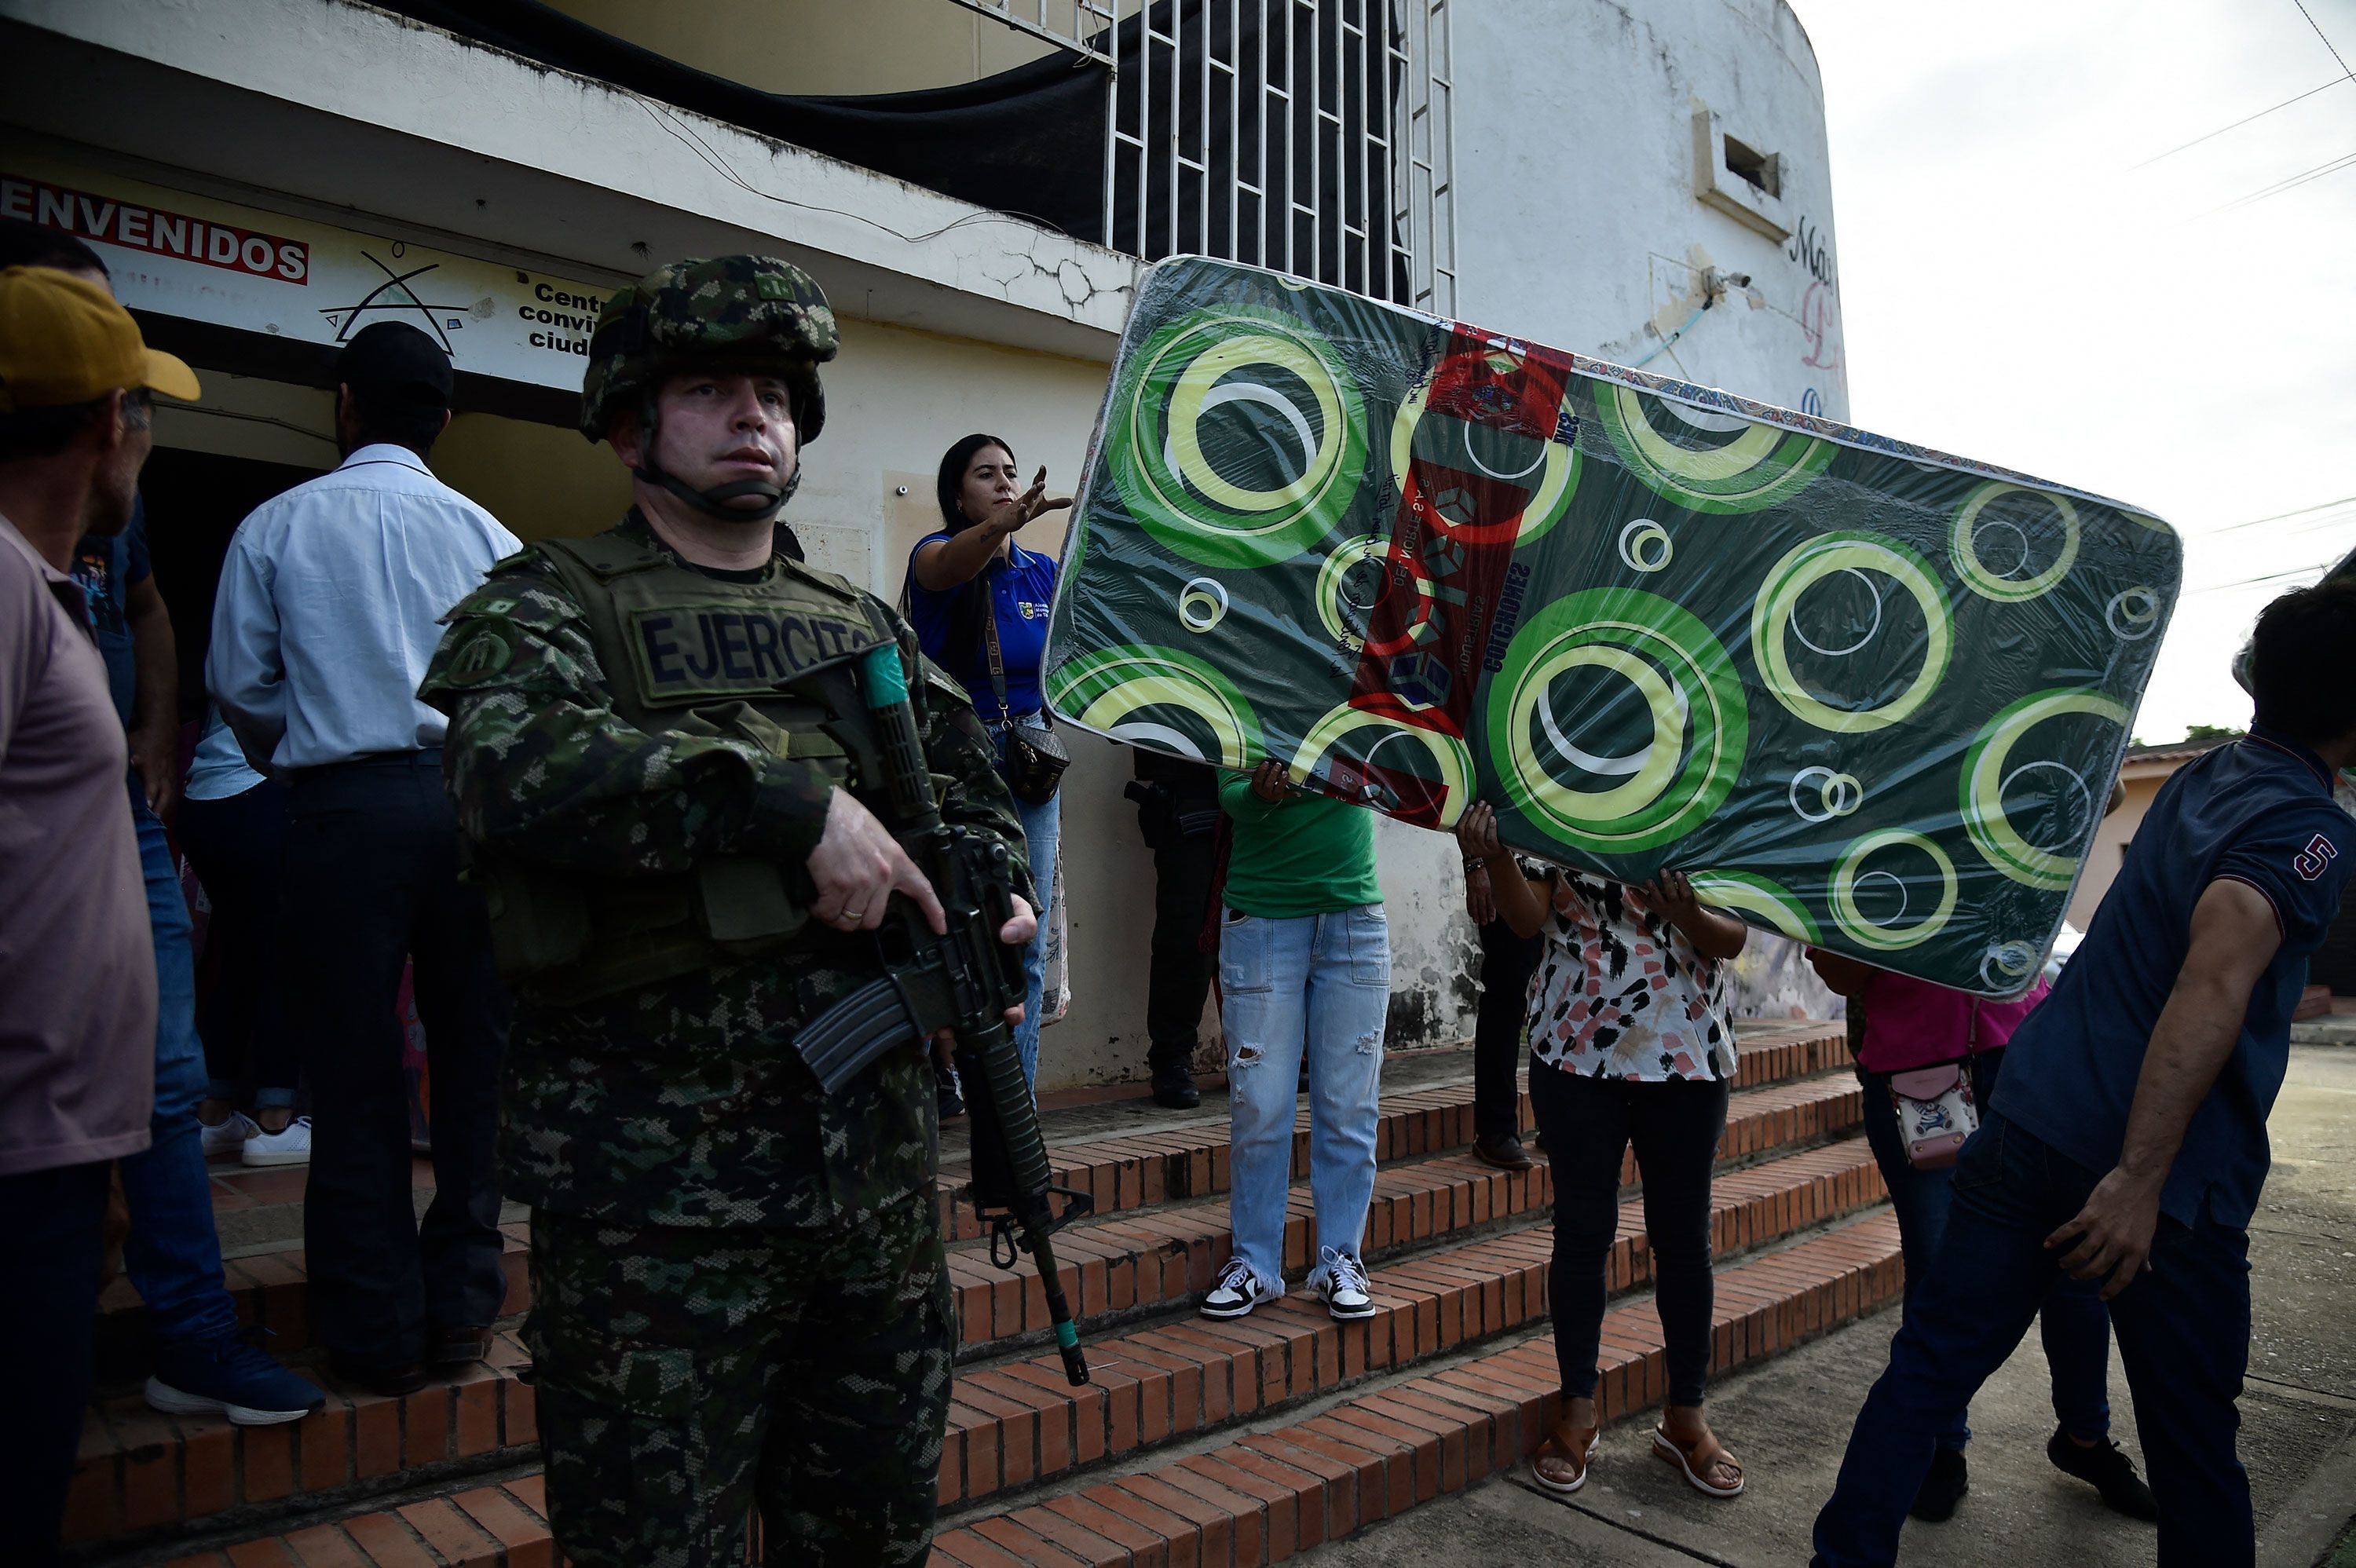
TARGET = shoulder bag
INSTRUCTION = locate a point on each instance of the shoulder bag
(1031, 756)
(1936, 1112)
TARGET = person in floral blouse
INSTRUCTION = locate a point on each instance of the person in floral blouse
(1629, 1043)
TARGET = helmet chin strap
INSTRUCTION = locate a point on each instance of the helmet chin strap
(714, 502)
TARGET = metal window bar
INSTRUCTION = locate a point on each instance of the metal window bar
(1081, 23)
(1374, 102)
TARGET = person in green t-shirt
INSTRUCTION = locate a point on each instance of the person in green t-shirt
(1304, 966)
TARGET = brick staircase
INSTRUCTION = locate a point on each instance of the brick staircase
(1169, 1455)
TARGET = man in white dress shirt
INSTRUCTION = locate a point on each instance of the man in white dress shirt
(327, 612)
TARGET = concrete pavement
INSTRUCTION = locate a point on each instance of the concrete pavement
(1788, 1420)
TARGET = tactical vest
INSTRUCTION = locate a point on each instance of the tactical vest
(688, 655)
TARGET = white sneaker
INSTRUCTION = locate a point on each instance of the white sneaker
(1238, 1292)
(292, 1147)
(1341, 1280)
(227, 1134)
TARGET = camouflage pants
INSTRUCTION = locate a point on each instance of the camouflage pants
(685, 1377)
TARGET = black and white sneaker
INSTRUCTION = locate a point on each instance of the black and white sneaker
(1238, 1292)
(1341, 1280)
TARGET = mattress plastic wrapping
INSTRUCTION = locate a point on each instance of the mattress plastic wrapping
(1870, 696)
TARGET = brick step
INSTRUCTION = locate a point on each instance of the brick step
(1013, 1422)
(1265, 1496)
(1258, 1500)
(1126, 1267)
(1117, 1128)
(1016, 1423)
(1132, 1261)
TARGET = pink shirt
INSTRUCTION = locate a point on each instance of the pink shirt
(1912, 1023)
(77, 958)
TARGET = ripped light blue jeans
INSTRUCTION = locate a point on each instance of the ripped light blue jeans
(1318, 983)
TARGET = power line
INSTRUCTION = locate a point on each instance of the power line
(687, 136)
(2278, 516)
(2263, 577)
(2238, 123)
(2335, 520)
(2329, 167)
(2319, 33)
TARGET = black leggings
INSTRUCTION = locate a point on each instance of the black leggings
(1501, 1031)
(1676, 1126)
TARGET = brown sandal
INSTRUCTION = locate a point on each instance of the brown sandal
(1565, 1446)
(1697, 1461)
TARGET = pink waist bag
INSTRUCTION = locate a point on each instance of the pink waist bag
(1935, 1111)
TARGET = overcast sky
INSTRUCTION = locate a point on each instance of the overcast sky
(2015, 289)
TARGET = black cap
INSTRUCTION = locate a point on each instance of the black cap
(392, 362)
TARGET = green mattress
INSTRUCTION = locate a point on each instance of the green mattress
(1870, 696)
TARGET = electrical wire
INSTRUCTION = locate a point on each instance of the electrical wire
(2316, 570)
(1663, 347)
(685, 135)
(179, 407)
(2335, 520)
(2279, 516)
(2237, 125)
(2320, 34)
(2332, 165)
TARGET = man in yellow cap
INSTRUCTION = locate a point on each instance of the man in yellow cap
(77, 970)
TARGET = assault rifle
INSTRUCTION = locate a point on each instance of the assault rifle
(964, 981)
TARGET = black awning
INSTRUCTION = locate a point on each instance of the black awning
(1030, 142)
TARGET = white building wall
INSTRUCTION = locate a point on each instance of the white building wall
(1579, 227)
(1576, 175)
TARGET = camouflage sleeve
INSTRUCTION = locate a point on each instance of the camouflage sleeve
(540, 767)
(958, 749)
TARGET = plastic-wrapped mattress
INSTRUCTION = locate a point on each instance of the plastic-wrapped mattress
(1870, 696)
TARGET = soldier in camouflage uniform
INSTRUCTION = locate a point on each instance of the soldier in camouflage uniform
(739, 1295)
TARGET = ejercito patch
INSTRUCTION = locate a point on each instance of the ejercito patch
(739, 649)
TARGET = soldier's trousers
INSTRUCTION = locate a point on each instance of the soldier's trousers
(687, 1376)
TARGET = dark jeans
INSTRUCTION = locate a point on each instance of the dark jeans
(371, 877)
(1501, 1033)
(1180, 979)
(46, 1313)
(236, 843)
(172, 1255)
(1588, 1123)
(2076, 1328)
(2184, 1336)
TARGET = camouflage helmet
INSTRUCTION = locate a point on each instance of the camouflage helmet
(745, 313)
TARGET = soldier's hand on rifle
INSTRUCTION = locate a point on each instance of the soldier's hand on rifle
(857, 866)
(1018, 931)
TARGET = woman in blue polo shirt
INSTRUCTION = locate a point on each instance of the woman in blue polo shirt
(965, 583)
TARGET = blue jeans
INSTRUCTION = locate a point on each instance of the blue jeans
(1320, 982)
(173, 1253)
(1041, 826)
(2076, 1328)
(2184, 1336)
